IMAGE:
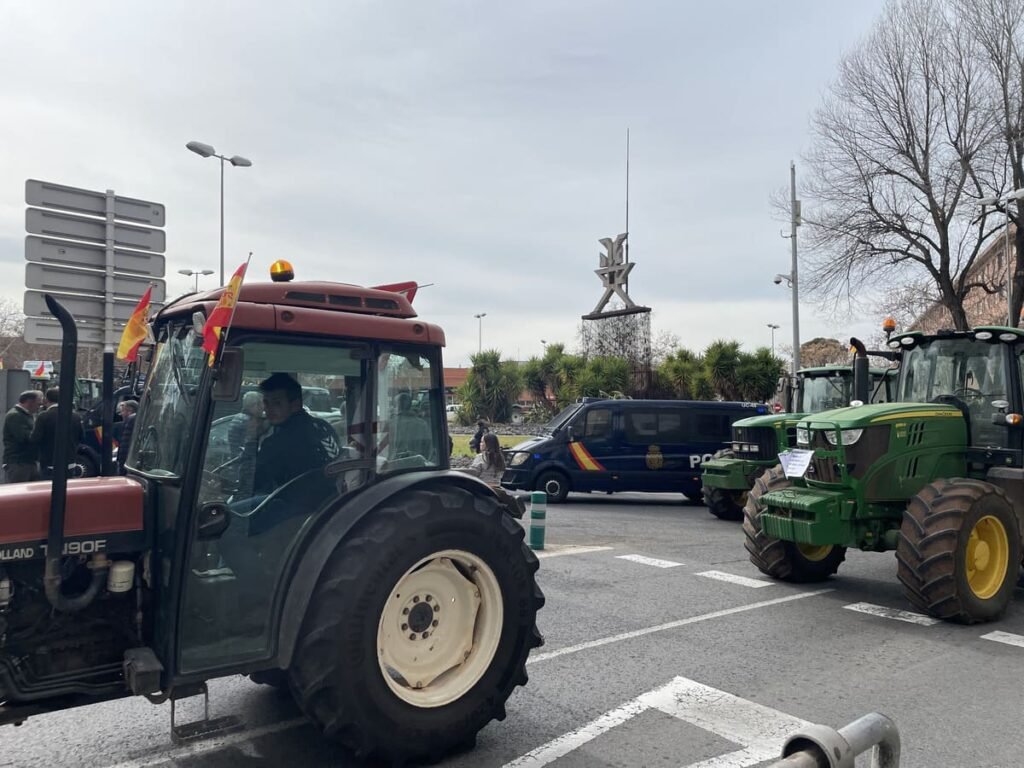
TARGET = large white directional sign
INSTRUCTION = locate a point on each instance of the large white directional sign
(96, 252)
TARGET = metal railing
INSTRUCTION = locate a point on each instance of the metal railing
(819, 746)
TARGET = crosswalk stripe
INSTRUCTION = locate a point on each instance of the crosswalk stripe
(732, 578)
(1005, 637)
(893, 613)
(556, 550)
(643, 560)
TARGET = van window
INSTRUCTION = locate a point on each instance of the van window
(713, 426)
(641, 426)
(598, 423)
(670, 427)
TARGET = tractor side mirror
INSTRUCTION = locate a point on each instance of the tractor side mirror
(214, 519)
(228, 384)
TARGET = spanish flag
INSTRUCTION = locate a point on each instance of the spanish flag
(136, 331)
(221, 316)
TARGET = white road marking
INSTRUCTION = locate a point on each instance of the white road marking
(893, 613)
(670, 625)
(760, 729)
(734, 579)
(649, 561)
(556, 550)
(209, 745)
(1005, 637)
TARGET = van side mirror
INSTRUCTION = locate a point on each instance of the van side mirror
(228, 384)
(571, 434)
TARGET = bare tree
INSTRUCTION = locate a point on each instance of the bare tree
(895, 162)
(996, 27)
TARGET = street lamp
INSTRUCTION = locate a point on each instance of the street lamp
(196, 273)
(205, 150)
(480, 336)
(774, 328)
(1016, 194)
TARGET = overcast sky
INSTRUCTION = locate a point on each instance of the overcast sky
(478, 146)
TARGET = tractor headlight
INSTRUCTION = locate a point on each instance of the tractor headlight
(803, 436)
(850, 436)
(518, 458)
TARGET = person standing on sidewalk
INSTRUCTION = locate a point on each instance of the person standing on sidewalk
(44, 433)
(20, 453)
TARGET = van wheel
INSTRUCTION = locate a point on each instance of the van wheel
(90, 468)
(554, 484)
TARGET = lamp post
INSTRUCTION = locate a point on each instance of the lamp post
(196, 273)
(205, 150)
(773, 328)
(480, 331)
(1016, 194)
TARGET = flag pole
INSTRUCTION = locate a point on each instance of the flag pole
(234, 306)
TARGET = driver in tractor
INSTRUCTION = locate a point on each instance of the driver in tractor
(297, 443)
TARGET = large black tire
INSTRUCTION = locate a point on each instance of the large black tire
(554, 483)
(339, 678)
(783, 559)
(725, 504)
(943, 570)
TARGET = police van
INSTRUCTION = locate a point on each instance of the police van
(624, 445)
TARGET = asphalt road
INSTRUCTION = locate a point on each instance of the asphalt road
(650, 661)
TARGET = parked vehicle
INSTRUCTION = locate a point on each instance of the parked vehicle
(937, 476)
(394, 597)
(757, 441)
(624, 445)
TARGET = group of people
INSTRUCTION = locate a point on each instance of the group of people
(30, 435)
(489, 462)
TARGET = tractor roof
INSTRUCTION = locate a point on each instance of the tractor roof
(981, 333)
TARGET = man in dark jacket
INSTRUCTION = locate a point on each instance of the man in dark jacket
(44, 433)
(476, 442)
(20, 453)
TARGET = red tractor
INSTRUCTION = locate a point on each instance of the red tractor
(326, 547)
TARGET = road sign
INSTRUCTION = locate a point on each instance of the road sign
(89, 282)
(47, 195)
(81, 307)
(46, 330)
(53, 224)
(65, 253)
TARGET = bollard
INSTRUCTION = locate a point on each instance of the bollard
(538, 516)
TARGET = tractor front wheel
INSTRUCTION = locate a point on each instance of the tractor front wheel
(723, 503)
(419, 627)
(785, 560)
(959, 550)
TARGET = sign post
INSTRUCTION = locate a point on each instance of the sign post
(80, 248)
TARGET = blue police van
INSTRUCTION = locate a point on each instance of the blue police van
(624, 445)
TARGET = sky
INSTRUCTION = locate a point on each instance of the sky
(479, 147)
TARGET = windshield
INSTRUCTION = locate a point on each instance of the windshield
(563, 416)
(162, 435)
(821, 393)
(963, 368)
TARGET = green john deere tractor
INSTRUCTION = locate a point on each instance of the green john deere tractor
(756, 441)
(937, 476)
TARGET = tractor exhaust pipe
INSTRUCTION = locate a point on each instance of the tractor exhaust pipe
(861, 373)
(62, 453)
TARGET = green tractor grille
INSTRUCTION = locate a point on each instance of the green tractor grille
(757, 443)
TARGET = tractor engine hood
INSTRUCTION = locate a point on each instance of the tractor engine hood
(104, 515)
(861, 416)
(771, 420)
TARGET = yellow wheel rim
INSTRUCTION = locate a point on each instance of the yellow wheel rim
(988, 557)
(814, 553)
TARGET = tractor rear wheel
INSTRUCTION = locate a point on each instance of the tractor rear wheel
(779, 559)
(959, 550)
(723, 503)
(419, 627)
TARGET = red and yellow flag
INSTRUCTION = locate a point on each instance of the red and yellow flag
(221, 316)
(40, 372)
(136, 331)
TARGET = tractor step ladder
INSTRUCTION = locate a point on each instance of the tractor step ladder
(199, 729)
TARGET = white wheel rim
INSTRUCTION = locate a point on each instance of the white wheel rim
(552, 487)
(440, 628)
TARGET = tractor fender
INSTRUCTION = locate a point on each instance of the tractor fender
(322, 540)
(1011, 481)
